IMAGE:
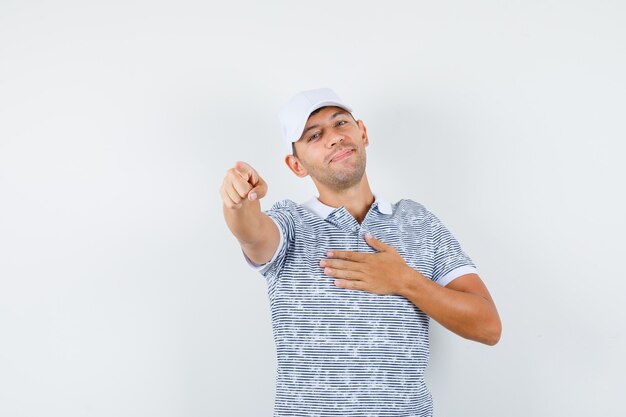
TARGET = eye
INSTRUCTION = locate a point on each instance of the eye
(313, 137)
(339, 123)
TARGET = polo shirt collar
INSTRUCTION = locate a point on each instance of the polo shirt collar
(323, 211)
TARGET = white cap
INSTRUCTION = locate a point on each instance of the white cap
(296, 112)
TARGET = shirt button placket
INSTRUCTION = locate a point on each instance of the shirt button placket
(360, 237)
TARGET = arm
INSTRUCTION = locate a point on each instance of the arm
(464, 306)
(256, 232)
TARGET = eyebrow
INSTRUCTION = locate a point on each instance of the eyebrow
(330, 118)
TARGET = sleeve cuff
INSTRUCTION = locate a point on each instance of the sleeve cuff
(455, 273)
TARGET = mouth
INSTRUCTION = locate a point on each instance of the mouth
(342, 155)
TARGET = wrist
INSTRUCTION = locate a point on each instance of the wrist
(408, 279)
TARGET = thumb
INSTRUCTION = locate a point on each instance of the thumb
(375, 243)
(258, 191)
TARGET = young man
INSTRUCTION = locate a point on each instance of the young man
(352, 278)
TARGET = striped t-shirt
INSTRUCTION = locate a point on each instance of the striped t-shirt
(343, 352)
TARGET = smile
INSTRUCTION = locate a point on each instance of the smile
(342, 155)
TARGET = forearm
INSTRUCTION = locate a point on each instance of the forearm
(468, 315)
(245, 222)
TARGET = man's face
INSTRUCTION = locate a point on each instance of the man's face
(332, 148)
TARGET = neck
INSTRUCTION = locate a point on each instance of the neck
(357, 200)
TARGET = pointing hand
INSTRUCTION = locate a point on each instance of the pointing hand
(242, 184)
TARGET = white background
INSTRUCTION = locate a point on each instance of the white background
(122, 292)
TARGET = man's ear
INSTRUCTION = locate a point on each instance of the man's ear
(296, 166)
(363, 130)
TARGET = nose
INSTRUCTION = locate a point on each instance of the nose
(334, 140)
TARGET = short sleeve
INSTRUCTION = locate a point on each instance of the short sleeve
(283, 218)
(450, 261)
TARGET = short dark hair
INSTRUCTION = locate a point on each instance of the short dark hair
(293, 149)
(293, 144)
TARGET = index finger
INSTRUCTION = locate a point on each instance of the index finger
(246, 171)
(347, 254)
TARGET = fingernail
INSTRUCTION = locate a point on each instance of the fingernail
(253, 196)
